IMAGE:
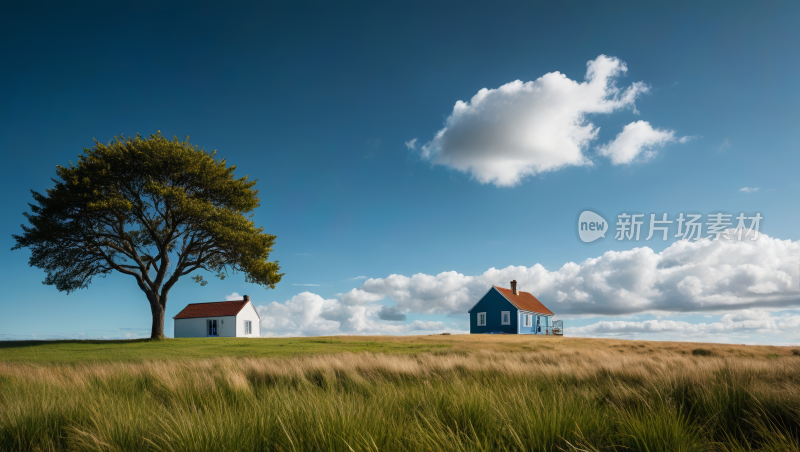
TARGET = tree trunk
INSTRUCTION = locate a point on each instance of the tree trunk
(157, 308)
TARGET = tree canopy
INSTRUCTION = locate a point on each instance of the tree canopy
(151, 208)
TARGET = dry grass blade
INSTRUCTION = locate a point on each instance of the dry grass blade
(562, 396)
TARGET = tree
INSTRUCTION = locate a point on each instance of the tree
(136, 206)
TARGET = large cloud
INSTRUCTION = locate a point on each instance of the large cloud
(688, 276)
(748, 326)
(309, 314)
(745, 321)
(519, 129)
(748, 278)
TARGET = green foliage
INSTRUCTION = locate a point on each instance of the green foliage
(155, 209)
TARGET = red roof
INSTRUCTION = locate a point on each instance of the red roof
(216, 309)
(524, 301)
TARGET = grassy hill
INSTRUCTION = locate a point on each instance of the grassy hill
(79, 351)
(423, 393)
(84, 351)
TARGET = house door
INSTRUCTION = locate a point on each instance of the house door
(212, 328)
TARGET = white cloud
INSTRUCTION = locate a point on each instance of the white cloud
(302, 316)
(701, 276)
(355, 279)
(748, 189)
(309, 314)
(636, 138)
(411, 144)
(391, 313)
(233, 296)
(742, 279)
(357, 297)
(520, 129)
(688, 138)
(746, 321)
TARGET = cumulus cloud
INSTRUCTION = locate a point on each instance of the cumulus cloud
(519, 129)
(637, 138)
(688, 276)
(743, 279)
(391, 313)
(302, 315)
(233, 296)
(359, 297)
(746, 321)
(748, 189)
(411, 144)
(309, 314)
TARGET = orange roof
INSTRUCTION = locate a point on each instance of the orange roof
(524, 301)
(215, 309)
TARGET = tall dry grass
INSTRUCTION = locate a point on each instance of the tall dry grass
(573, 399)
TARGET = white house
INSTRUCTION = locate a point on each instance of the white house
(237, 318)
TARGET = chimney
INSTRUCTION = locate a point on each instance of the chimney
(247, 298)
(514, 287)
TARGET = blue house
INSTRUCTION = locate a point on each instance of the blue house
(510, 311)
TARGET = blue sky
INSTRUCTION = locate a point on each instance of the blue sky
(317, 101)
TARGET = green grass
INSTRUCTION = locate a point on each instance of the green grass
(426, 393)
(81, 351)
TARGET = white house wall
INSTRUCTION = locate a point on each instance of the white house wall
(190, 327)
(198, 327)
(227, 326)
(248, 313)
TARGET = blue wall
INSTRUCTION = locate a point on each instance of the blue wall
(492, 304)
(527, 329)
(543, 321)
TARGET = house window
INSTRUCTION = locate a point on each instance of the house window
(527, 320)
(481, 319)
(212, 328)
(506, 318)
(248, 328)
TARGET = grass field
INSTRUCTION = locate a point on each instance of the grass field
(422, 393)
(138, 350)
